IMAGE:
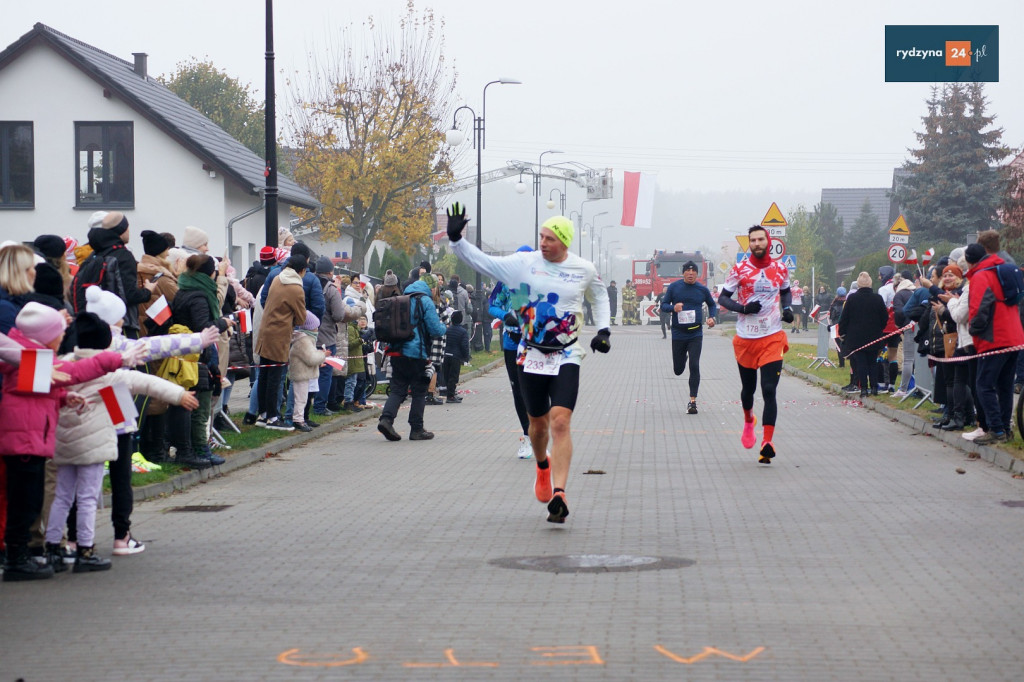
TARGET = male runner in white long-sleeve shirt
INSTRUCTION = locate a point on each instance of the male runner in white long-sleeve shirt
(548, 287)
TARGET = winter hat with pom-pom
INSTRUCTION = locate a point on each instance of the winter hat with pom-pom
(108, 306)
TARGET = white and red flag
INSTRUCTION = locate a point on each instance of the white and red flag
(912, 258)
(336, 363)
(244, 321)
(926, 257)
(160, 311)
(36, 370)
(119, 403)
(638, 199)
(495, 323)
(815, 310)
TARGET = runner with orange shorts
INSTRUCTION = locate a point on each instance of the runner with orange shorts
(763, 302)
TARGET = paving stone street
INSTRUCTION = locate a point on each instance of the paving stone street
(859, 554)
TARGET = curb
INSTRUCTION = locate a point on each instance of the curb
(996, 456)
(244, 458)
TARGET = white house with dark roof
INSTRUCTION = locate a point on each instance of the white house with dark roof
(82, 130)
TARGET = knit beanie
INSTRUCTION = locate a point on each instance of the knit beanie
(955, 269)
(153, 243)
(49, 281)
(425, 265)
(312, 322)
(92, 332)
(391, 279)
(107, 305)
(40, 323)
(267, 255)
(974, 253)
(115, 221)
(324, 266)
(208, 266)
(194, 238)
(50, 245)
(96, 219)
(282, 235)
(429, 280)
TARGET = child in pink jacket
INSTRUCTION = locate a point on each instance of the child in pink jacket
(28, 426)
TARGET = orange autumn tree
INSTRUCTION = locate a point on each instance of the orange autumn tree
(367, 131)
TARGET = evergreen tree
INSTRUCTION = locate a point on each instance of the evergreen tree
(375, 270)
(829, 227)
(1012, 210)
(396, 261)
(865, 235)
(955, 186)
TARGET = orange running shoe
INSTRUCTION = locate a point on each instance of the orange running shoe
(767, 452)
(542, 487)
(748, 439)
(557, 508)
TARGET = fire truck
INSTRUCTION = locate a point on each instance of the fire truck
(652, 277)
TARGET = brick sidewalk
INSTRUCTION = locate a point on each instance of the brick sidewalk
(859, 555)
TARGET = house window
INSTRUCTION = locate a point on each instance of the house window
(17, 177)
(105, 165)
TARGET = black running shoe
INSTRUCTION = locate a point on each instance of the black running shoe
(767, 452)
(557, 508)
(691, 407)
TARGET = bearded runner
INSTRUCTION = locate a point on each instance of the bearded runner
(761, 286)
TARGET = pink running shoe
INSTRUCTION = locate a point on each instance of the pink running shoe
(748, 439)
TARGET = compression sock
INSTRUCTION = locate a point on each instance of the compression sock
(769, 432)
(748, 415)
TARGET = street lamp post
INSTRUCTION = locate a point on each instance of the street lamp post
(454, 138)
(596, 215)
(607, 259)
(536, 195)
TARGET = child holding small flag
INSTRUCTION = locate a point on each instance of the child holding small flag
(28, 426)
(87, 439)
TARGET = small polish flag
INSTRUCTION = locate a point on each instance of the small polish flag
(336, 363)
(495, 323)
(926, 258)
(912, 258)
(244, 321)
(159, 312)
(118, 401)
(815, 310)
(36, 370)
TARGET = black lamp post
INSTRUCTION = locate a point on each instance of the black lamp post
(270, 138)
(454, 138)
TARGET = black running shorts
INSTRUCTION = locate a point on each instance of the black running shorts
(541, 392)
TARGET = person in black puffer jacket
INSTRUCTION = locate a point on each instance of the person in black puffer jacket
(196, 307)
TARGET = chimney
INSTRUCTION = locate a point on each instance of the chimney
(140, 63)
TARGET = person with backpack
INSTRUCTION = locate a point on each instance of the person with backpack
(257, 274)
(408, 322)
(994, 325)
(113, 267)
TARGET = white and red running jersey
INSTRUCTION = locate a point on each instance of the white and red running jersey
(751, 283)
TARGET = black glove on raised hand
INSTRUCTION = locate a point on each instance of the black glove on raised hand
(600, 342)
(752, 308)
(787, 315)
(511, 319)
(457, 221)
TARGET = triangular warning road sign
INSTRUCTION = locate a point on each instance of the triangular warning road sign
(744, 242)
(900, 227)
(773, 218)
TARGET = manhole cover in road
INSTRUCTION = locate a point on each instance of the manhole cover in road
(1013, 503)
(592, 563)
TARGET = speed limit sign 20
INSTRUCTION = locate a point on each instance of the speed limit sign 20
(777, 249)
(897, 253)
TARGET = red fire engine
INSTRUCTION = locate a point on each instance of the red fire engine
(652, 277)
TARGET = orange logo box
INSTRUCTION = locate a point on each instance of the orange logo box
(958, 53)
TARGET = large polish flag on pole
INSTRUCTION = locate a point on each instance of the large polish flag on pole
(637, 199)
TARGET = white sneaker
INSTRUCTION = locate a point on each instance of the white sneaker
(977, 433)
(525, 449)
(900, 394)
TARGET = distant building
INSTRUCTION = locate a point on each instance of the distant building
(849, 201)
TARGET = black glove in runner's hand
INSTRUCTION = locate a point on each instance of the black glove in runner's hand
(511, 319)
(457, 221)
(787, 315)
(600, 342)
(752, 308)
